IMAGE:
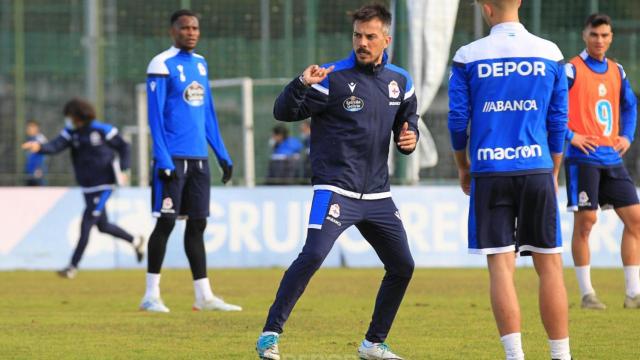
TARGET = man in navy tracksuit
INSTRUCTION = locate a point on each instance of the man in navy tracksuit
(355, 105)
(94, 146)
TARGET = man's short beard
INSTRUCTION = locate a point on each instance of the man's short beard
(365, 63)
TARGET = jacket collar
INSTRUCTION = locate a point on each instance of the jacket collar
(180, 51)
(507, 27)
(588, 58)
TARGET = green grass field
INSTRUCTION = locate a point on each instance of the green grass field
(445, 315)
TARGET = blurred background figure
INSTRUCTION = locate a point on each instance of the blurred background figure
(285, 165)
(94, 147)
(305, 136)
(34, 167)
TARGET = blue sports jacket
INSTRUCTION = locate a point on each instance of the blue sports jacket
(289, 147)
(93, 153)
(353, 113)
(181, 114)
(511, 86)
(35, 161)
(606, 155)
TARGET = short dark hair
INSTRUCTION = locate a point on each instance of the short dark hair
(182, 12)
(79, 108)
(33, 122)
(281, 130)
(499, 4)
(373, 11)
(595, 20)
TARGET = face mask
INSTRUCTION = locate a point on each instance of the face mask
(68, 123)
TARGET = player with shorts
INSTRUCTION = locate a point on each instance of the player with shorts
(602, 125)
(183, 121)
(511, 88)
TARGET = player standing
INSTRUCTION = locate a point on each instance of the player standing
(34, 166)
(182, 120)
(93, 151)
(512, 88)
(354, 104)
(602, 124)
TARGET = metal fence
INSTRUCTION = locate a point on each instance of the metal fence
(54, 49)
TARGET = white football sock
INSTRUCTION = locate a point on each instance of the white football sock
(153, 286)
(632, 280)
(202, 289)
(560, 349)
(513, 346)
(583, 273)
(266, 333)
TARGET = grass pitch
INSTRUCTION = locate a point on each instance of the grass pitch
(445, 315)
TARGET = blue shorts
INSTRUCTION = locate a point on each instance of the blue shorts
(590, 186)
(514, 214)
(187, 195)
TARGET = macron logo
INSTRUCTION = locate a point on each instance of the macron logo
(522, 68)
(509, 105)
(520, 152)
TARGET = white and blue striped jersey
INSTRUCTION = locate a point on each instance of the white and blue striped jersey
(512, 88)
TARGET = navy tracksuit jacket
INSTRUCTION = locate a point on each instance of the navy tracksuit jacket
(93, 153)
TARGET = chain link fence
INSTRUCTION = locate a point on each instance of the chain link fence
(53, 50)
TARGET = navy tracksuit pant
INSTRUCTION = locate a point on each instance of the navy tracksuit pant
(379, 223)
(95, 214)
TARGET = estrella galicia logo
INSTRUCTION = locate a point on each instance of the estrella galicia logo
(353, 104)
(194, 94)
